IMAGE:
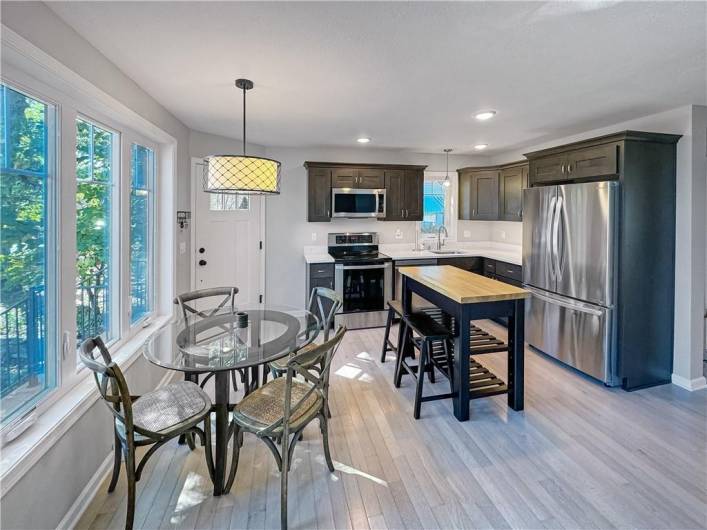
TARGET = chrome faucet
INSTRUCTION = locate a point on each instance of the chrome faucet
(439, 236)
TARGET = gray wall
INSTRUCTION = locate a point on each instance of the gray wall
(43, 496)
(286, 215)
(37, 23)
(691, 122)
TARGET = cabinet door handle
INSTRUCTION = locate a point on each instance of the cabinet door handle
(563, 169)
(569, 168)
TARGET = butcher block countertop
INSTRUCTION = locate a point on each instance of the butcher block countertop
(462, 286)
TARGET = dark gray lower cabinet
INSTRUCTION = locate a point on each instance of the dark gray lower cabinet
(503, 272)
(319, 275)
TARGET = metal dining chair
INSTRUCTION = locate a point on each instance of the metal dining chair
(282, 408)
(225, 298)
(324, 303)
(151, 419)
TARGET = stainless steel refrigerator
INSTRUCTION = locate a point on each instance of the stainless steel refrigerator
(569, 265)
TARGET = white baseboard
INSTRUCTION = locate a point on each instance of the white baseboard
(698, 383)
(85, 498)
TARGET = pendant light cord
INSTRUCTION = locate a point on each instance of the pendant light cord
(244, 90)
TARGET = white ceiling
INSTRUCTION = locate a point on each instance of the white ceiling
(409, 75)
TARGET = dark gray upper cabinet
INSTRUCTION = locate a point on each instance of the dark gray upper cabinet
(371, 178)
(590, 160)
(346, 177)
(413, 184)
(492, 193)
(394, 195)
(403, 185)
(484, 195)
(319, 194)
(366, 178)
(404, 194)
(511, 185)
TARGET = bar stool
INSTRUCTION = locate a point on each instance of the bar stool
(430, 334)
(394, 308)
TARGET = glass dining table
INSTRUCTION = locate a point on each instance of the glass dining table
(216, 341)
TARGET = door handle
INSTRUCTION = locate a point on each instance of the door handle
(202, 262)
(556, 236)
(548, 237)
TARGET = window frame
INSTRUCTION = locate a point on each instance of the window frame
(134, 139)
(450, 206)
(61, 241)
(53, 231)
(115, 280)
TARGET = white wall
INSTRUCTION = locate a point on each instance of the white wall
(286, 215)
(43, 496)
(691, 122)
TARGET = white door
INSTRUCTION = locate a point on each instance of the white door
(227, 243)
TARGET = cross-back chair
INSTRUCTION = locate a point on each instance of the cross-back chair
(282, 408)
(151, 419)
(225, 299)
(319, 299)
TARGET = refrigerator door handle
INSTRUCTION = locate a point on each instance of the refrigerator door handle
(555, 241)
(576, 306)
(548, 235)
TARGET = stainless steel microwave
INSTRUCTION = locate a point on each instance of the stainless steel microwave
(351, 202)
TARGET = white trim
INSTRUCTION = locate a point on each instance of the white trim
(20, 455)
(698, 383)
(85, 498)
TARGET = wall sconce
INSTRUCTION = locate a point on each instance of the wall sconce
(183, 219)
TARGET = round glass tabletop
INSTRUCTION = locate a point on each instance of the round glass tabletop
(225, 339)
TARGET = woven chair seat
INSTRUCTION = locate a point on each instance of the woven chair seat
(265, 406)
(281, 364)
(170, 406)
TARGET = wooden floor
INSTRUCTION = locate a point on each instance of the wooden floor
(579, 456)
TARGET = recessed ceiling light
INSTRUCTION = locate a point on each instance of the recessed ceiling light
(480, 147)
(363, 140)
(485, 115)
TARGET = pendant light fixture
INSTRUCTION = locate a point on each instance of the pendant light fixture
(242, 174)
(446, 182)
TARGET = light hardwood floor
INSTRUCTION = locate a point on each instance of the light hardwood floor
(579, 456)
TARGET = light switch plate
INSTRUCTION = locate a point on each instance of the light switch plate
(182, 247)
(503, 234)
(467, 233)
(314, 236)
(398, 233)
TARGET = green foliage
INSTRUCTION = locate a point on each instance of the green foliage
(22, 195)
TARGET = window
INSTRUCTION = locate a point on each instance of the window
(142, 176)
(228, 202)
(27, 154)
(435, 206)
(95, 169)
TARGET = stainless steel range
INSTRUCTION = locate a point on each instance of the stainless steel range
(363, 278)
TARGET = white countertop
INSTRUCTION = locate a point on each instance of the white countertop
(485, 249)
(399, 252)
(317, 254)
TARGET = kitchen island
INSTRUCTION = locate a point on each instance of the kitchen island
(466, 296)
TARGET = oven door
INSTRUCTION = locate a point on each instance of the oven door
(364, 287)
(349, 202)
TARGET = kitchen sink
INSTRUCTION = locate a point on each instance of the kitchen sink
(447, 251)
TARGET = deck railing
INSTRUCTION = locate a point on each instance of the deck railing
(23, 329)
